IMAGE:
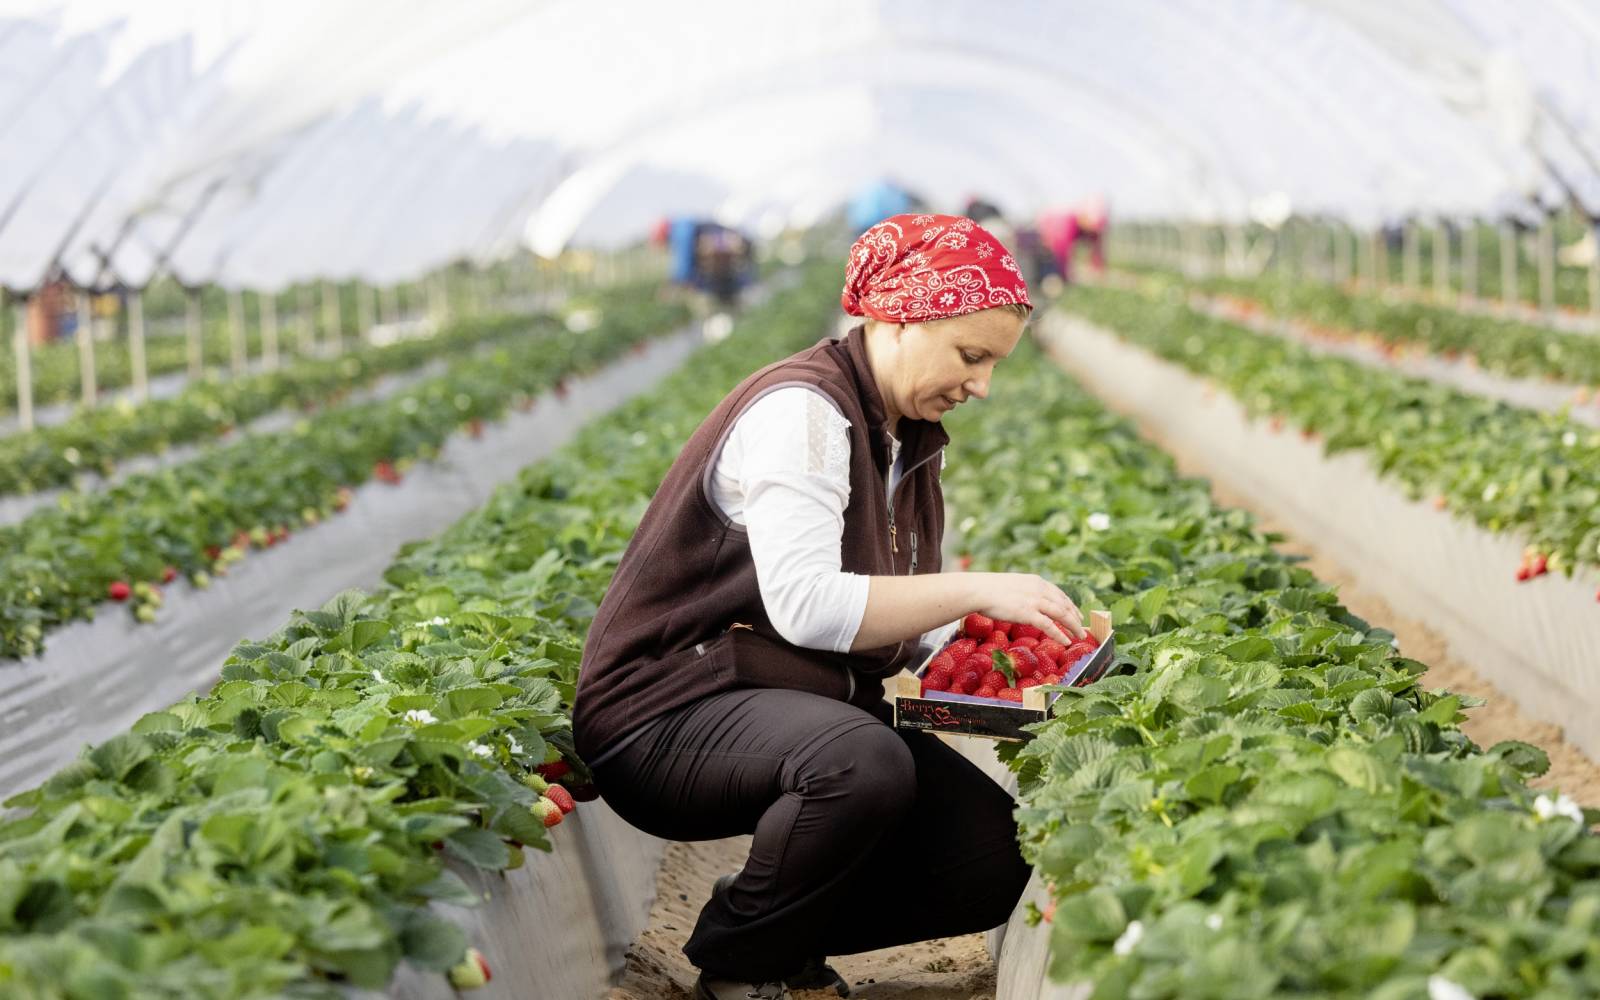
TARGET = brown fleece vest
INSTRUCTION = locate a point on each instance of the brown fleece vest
(683, 617)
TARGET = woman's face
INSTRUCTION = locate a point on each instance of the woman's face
(928, 369)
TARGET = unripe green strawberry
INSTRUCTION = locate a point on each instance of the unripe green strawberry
(471, 972)
(201, 580)
(535, 782)
(548, 812)
(145, 613)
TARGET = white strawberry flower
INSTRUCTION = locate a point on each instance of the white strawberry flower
(513, 746)
(1214, 921)
(1440, 988)
(1130, 938)
(1490, 492)
(378, 677)
(1099, 521)
(1569, 439)
(1547, 808)
(420, 716)
(478, 749)
(436, 620)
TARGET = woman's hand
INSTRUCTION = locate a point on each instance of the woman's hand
(1029, 599)
(901, 607)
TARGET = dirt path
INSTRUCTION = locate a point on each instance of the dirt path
(948, 969)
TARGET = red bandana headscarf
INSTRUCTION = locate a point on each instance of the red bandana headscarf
(916, 268)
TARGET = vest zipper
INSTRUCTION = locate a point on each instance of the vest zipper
(894, 542)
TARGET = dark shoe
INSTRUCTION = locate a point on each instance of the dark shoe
(816, 974)
(707, 988)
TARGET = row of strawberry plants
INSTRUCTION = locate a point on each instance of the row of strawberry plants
(1262, 800)
(97, 439)
(59, 564)
(1506, 346)
(286, 831)
(55, 369)
(1508, 469)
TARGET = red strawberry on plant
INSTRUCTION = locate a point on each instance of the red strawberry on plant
(976, 626)
(169, 574)
(554, 770)
(561, 797)
(119, 590)
(471, 972)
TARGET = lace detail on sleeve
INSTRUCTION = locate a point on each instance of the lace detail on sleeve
(827, 439)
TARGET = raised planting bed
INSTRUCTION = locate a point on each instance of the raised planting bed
(1259, 800)
(287, 833)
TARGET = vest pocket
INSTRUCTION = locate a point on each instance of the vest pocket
(747, 659)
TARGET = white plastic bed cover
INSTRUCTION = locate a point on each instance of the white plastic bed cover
(257, 144)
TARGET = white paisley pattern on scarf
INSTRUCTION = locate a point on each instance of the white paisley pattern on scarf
(948, 268)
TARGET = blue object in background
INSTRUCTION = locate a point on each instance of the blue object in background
(680, 241)
(877, 202)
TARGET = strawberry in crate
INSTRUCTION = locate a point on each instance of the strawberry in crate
(998, 660)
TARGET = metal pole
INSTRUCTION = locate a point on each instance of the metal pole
(1411, 274)
(237, 347)
(389, 304)
(438, 307)
(1594, 268)
(19, 345)
(330, 315)
(1469, 259)
(1508, 265)
(267, 305)
(1380, 259)
(1341, 254)
(1367, 261)
(85, 340)
(305, 320)
(191, 331)
(136, 358)
(1547, 265)
(1441, 262)
(363, 310)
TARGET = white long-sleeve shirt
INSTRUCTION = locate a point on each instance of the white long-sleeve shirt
(784, 475)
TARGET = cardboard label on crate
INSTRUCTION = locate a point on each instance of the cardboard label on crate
(963, 718)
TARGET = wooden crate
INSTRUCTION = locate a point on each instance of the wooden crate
(969, 715)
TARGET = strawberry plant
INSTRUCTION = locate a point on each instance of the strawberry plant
(285, 832)
(1508, 469)
(97, 439)
(1507, 346)
(56, 564)
(1261, 799)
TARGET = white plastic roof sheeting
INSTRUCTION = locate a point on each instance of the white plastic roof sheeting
(255, 143)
